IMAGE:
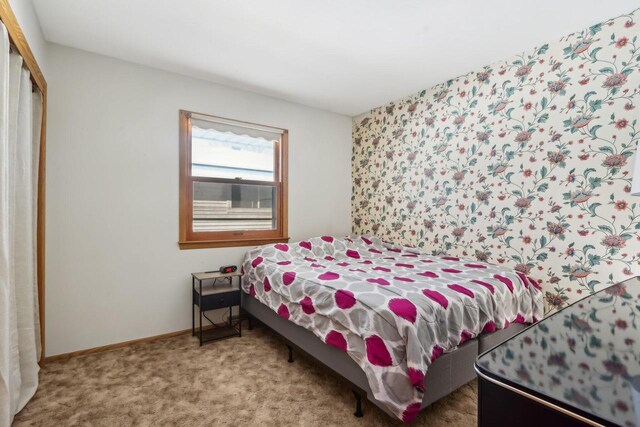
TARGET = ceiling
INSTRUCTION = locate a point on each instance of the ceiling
(346, 56)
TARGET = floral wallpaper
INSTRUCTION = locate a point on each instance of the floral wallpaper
(525, 163)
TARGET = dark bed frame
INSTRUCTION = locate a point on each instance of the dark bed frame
(449, 372)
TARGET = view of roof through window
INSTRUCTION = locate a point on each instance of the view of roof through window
(228, 155)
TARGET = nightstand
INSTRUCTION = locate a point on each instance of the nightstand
(221, 293)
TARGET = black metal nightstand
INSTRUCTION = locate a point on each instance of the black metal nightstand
(222, 293)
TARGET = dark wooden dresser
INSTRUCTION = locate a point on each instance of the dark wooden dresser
(579, 366)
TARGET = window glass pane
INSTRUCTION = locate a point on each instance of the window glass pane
(231, 152)
(228, 207)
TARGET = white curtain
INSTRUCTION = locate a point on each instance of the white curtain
(20, 117)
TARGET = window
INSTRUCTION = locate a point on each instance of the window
(233, 182)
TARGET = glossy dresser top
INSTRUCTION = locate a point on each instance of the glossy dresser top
(584, 359)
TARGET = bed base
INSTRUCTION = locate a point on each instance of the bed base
(449, 372)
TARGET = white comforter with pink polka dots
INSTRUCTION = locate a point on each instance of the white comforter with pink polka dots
(392, 309)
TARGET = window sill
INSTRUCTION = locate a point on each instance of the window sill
(203, 244)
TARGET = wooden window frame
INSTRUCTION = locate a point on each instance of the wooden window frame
(19, 41)
(188, 239)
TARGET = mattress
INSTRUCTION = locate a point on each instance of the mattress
(392, 309)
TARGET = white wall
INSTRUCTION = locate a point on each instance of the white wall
(28, 20)
(114, 270)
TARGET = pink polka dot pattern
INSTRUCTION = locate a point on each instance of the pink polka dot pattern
(405, 265)
(484, 284)
(416, 377)
(283, 311)
(377, 351)
(465, 336)
(524, 279)
(306, 245)
(429, 274)
(353, 254)
(379, 281)
(411, 412)
(462, 290)
(535, 283)
(475, 266)
(506, 281)
(437, 297)
(337, 340)
(288, 278)
(329, 276)
(436, 352)
(376, 302)
(307, 305)
(403, 308)
(345, 299)
(490, 326)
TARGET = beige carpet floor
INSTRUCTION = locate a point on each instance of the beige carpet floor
(235, 382)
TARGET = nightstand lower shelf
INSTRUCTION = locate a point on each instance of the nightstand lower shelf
(214, 333)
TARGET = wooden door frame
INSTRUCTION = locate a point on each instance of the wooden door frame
(19, 41)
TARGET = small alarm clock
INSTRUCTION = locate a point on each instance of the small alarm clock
(226, 269)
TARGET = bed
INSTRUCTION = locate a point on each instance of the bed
(402, 327)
